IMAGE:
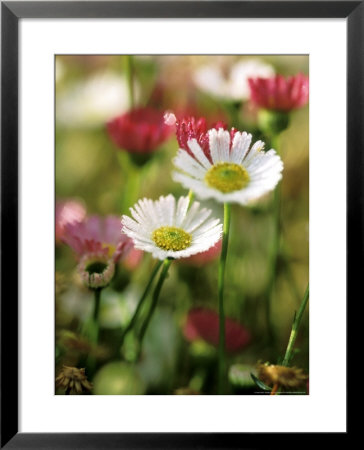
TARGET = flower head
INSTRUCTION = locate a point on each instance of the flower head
(231, 84)
(97, 235)
(96, 269)
(279, 93)
(73, 380)
(92, 102)
(168, 229)
(237, 171)
(204, 324)
(289, 377)
(141, 130)
(68, 211)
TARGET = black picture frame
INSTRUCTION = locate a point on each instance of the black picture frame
(11, 13)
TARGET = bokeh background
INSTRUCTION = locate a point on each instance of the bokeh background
(91, 90)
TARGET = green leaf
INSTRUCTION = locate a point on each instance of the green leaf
(260, 384)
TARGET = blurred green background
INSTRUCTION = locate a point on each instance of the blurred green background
(90, 90)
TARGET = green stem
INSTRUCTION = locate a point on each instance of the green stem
(157, 290)
(93, 330)
(273, 259)
(133, 176)
(295, 326)
(97, 305)
(141, 301)
(129, 68)
(221, 282)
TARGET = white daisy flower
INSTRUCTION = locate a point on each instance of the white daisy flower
(232, 171)
(231, 84)
(94, 101)
(169, 229)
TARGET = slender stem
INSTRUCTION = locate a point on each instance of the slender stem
(129, 67)
(274, 389)
(157, 290)
(141, 301)
(93, 329)
(133, 176)
(274, 251)
(221, 282)
(295, 325)
(95, 317)
(97, 305)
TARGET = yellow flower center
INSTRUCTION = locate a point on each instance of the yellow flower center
(171, 238)
(227, 177)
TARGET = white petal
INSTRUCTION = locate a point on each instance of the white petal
(198, 153)
(148, 209)
(241, 143)
(206, 227)
(191, 214)
(198, 220)
(264, 163)
(187, 164)
(165, 207)
(131, 224)
(219, 141)
(214, 234)
(256, 148)
(182, 207)
(188, 182)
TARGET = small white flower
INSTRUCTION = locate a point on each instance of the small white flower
(91, 103)
(232, 85)
(170, 229)
(233, 172)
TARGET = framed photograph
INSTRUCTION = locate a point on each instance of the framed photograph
(181, 216)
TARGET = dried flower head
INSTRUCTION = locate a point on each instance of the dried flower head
(73, 380)
(288, 377)
(96, 270)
